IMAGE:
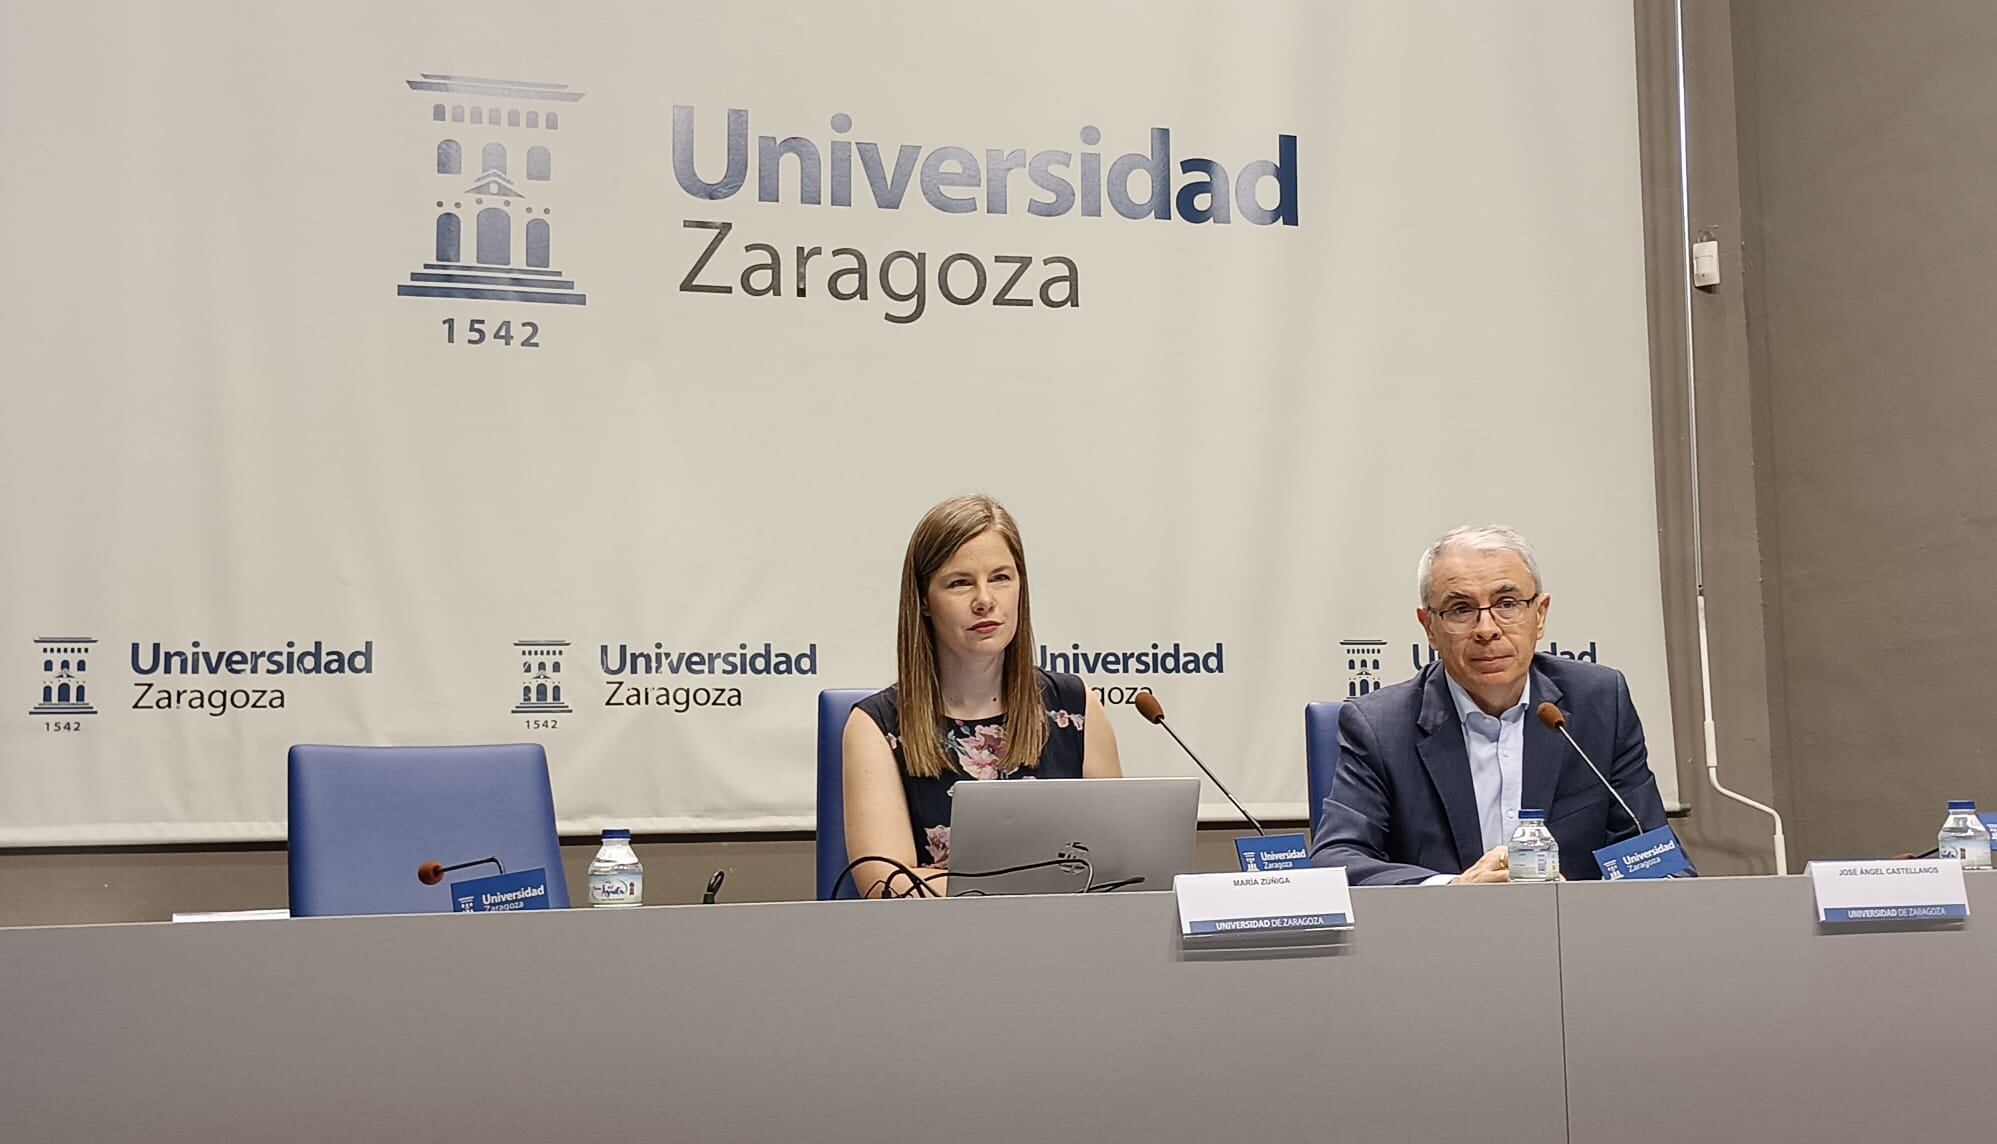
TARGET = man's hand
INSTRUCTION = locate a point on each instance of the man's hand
(1492, 867)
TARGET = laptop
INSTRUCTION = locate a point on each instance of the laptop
(1125, 829)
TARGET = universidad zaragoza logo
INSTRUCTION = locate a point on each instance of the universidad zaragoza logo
(493, 192)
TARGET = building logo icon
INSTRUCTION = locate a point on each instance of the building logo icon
(494, 236)
(1362, 666)
(541, 677)
(64, 659)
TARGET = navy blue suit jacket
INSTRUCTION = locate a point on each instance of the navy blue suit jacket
(1402, 806)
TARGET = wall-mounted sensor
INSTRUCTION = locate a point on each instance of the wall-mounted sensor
(1706, 264)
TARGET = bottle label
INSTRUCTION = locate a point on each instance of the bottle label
(616, 889)
(1973, 853)
(1533, 865)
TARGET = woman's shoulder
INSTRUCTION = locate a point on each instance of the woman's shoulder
(884, 708)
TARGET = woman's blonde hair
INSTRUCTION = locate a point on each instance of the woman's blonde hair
(941, 532)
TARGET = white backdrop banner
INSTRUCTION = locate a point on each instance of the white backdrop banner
(469, 372)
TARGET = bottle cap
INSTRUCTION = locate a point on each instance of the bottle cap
(1955, 804)
(617, 835)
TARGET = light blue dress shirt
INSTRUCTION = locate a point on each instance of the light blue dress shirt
(1496, 747)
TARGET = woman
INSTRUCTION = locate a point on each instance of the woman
(967, 701)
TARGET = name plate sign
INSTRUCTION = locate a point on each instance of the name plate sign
(1274, 852)
(519, 890)
(1921, 889)
(1652, 854)
(1267, 901)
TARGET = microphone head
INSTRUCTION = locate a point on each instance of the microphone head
(430, 873)
(1552, 716)
(1149, 707)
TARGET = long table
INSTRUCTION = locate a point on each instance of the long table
(1709, 1010)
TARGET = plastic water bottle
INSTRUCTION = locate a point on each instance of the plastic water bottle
(1533, 855)
(1963, 838)
(615, 877)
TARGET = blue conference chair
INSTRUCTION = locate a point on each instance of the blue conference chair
(833, 709)
(364, 818)
(1320, 753)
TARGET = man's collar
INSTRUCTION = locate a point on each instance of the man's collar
(1465, 705)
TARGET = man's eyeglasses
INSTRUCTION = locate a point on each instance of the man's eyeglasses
(1459, 618)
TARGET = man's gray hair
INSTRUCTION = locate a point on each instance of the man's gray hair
(1477, 538)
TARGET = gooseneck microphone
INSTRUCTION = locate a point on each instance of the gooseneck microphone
(1149, 707)
(431, 873)
(1556, 720)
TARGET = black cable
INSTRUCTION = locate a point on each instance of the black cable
(1066, 861)
(920, 887)
(848, 873)
(863, 859)
(877, 884)
(916, 888)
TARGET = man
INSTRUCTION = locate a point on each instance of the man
(1432, 772)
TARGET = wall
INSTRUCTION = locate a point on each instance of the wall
(1704, 336)
(1870, 240)
(1838, 152)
